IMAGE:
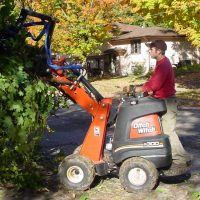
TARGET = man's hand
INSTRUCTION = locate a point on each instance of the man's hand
(129, 90)
(138, 89)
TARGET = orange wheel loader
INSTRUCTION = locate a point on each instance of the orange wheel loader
(127, 140)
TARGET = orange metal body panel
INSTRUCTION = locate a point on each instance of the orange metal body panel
(77, 93)
(145, 126)
(93, 143)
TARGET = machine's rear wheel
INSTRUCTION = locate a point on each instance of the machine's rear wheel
(138, 174)
(76, 172)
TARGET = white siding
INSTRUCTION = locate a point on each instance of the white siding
(176, 51)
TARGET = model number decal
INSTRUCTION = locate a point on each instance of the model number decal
(154, 143)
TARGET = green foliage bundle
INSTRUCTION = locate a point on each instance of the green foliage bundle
(6, 12)
(25, 104)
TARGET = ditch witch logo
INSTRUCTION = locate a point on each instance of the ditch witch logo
(144, 127)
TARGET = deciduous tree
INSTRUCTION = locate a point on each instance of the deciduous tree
(182, 15)
(25, 104)
(83, 24)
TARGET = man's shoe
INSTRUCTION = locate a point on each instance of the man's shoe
(177, 169)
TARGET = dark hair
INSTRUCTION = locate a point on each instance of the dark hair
(159, 44)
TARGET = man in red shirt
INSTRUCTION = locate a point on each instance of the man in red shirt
(162, 86)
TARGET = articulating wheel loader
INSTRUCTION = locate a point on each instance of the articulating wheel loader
(127, 140)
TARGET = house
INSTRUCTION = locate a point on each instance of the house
(124, 53)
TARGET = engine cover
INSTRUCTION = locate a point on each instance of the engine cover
(138, 133)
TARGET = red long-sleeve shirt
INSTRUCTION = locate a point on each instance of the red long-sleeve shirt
(162, 82)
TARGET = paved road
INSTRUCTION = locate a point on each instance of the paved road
(70, 126)
(188, 129)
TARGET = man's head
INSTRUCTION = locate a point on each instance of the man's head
(157, 48)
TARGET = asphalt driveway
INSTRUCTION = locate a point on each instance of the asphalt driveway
(70, 126)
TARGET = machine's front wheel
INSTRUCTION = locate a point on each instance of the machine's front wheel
(138, 174)
(76, 172)
(77, 149)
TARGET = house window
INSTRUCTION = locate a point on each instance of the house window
(136, 46)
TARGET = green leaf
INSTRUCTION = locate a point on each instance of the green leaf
(20, 120)
(17, 106)
(84, 197)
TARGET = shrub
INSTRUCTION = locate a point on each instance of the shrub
(138, 70)
(25, 104)
(187, 69)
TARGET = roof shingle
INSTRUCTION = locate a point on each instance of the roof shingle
(138, 32)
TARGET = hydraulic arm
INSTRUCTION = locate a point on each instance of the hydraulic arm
(80, 90)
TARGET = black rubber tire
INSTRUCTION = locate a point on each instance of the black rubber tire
(73, 167)
(77, 149)
(145, 167)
